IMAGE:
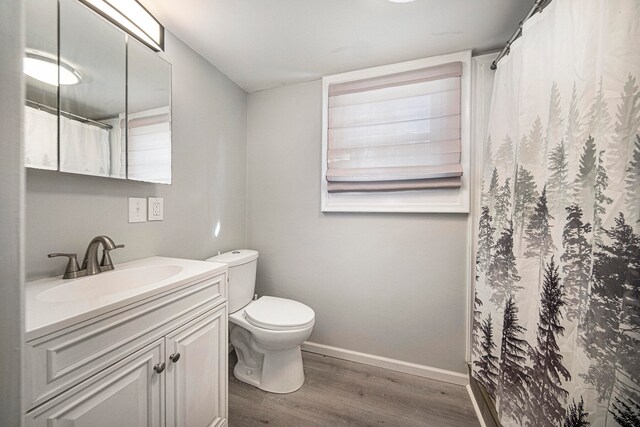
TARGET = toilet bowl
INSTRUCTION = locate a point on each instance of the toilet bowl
(268, 345)
(267, 332)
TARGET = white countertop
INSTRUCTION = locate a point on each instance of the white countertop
(44, 315)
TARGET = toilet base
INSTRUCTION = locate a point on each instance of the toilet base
(281, 371)
(270, 360)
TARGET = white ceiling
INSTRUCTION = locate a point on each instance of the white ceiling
(262, 44)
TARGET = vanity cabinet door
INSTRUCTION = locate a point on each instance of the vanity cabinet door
(196, 391)
(130, 394)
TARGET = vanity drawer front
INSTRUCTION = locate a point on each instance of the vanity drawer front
(60, 360)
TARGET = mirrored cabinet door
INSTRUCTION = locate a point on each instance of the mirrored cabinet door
(41, 78)
(92, 103)
(148, 115)
(98, 102)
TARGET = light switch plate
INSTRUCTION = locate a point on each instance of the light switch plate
(137, 209)
(156, 208)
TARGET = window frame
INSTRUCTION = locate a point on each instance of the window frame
(418, 201)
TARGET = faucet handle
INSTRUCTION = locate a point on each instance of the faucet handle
(73, 269)
(106, 263)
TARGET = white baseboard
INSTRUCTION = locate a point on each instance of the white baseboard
(391, 364)
(476, 407)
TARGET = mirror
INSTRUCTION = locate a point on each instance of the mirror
(148, 115)
(41, 78)
(92, 111)
(98, 102)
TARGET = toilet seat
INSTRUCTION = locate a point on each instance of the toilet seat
(278, 314)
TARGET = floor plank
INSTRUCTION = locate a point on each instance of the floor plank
(342, 393)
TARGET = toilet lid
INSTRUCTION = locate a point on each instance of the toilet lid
(278, 313)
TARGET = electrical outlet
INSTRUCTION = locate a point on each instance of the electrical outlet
(156, 208)
(137, 209)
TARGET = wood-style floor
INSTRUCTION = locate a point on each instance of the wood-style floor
(341, 393)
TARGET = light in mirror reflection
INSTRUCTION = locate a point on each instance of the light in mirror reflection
(47, 70)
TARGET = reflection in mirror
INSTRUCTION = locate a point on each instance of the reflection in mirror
(41, 78)
(149, 115)
(92, 111)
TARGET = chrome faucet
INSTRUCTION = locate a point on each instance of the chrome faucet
(90, 264)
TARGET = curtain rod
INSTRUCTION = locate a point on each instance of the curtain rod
(71, 116)
(537, 7)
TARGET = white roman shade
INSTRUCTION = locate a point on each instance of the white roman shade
(395, 132)
(149, 146)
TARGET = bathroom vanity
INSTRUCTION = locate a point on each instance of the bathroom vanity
(143, 345)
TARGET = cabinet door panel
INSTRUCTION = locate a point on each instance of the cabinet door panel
(130, 395)
(92, 133)
(197, 381)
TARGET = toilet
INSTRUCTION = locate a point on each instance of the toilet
(266, 332)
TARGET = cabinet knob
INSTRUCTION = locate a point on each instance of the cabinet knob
(159, 367)
(174, 357)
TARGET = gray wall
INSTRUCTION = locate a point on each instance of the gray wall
(391, 285)
(209, 183)
(11, 210)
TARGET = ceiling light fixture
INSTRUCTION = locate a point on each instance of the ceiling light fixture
(401, 1)
(47, 70)
(133, 18)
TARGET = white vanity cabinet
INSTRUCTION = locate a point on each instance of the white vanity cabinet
(157, 361)
(129, 394)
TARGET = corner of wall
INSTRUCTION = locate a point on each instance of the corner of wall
(247, 176)
(12, 213)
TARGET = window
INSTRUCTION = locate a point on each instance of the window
(395, 138)
(149, 146)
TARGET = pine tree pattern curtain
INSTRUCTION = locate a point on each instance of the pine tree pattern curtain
(556, 330)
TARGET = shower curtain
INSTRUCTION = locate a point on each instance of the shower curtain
(41, 139)
(556, 320)
(84, 148)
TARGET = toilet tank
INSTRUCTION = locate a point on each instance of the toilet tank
(242, 276)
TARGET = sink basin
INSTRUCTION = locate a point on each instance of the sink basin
(54, 303)
(109, 283)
